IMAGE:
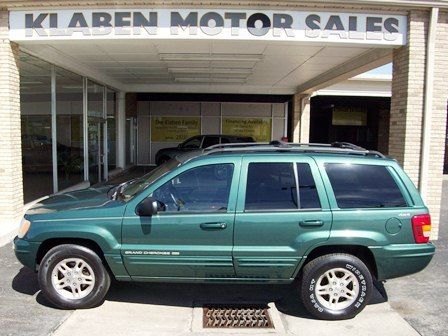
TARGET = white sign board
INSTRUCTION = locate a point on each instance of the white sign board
(232, 24)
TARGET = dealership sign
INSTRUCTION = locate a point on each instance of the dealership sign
(208, 24)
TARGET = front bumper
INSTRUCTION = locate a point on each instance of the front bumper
(397, 260)
(26, 252)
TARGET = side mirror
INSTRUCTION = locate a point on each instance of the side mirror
(147, 208)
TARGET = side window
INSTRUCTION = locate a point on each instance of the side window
(364, 186)
(210, 141)
(201, 189)
(308, 196)
(225, 140)
(271, 186)
(193, 143)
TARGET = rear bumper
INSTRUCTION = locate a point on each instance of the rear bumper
(397, 260)
(26, 252)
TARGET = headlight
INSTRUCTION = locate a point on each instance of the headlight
(23, 228)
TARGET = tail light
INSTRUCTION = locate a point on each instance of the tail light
(421, 226)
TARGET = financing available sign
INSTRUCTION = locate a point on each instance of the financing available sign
(257, 128)
(272, 25)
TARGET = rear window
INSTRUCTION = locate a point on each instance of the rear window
(364, 186)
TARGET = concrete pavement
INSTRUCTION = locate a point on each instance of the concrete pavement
(174, 309)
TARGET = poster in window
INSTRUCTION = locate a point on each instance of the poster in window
(257, 128)
(346, 116)
(174, 129)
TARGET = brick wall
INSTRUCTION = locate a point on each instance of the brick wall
(11, 194)
(301, 118)
(438, 122)
(407, 106)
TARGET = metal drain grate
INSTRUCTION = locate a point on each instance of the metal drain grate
(236, 317)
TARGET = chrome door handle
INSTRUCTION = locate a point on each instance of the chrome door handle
(213, 226)
(309, 223)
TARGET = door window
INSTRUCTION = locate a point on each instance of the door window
(273, 186)
(363, 186)
(210, 141)
(201, 189)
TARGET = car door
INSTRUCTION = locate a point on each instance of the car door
(276, 222)
(191, 236)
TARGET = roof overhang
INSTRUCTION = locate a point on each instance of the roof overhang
(219, 3)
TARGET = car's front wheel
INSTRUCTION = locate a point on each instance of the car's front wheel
(73, 277)
(336, 286)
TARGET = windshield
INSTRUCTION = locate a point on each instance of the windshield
(134, 187)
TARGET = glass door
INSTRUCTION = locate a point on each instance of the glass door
(96, 150)
(96, 132)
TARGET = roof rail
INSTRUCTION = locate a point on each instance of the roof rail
(279, 146)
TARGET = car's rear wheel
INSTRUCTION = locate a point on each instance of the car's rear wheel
(336, 286)
(73, 277)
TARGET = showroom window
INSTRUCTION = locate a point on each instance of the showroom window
(111, 129)
(69, 128)
(54, 130)
(35, 102)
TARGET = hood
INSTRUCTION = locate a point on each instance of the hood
(85, 199)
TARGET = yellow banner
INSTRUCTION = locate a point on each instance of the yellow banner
(174, 129)
(257, 128)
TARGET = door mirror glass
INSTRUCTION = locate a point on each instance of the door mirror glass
(147, 208)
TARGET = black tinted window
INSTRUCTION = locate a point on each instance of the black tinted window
(201, 189)
(271, 186)
(364, 186)
(210, 141)
(309, 199)
(193, 143)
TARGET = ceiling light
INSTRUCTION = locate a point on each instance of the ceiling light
(186, 70)
(203, 80)
(210, 57)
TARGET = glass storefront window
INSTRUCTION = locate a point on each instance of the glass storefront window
(35, 100)
(69, 128)
(38, 154)
(111, 129)
(95, 130)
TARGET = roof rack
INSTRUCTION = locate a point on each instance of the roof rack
(279, 146)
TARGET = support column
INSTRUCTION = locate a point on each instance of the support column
(121, 129)
(11, 191)
(301, 120)
(408, 107)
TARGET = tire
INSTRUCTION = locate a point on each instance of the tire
(73, 277)
(345, 278)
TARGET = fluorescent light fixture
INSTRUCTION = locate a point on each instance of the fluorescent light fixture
(203, 80)
(191, 70)
(210, 57)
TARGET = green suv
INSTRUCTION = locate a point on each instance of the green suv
(332, 216)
